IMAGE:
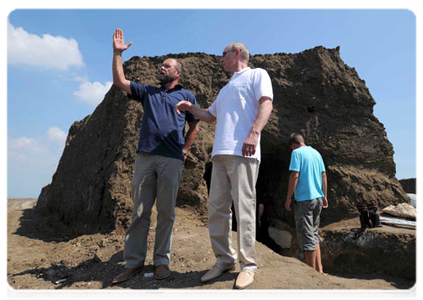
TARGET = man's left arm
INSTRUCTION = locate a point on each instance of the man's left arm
(325, 190)
(250, 144)
(190, 136)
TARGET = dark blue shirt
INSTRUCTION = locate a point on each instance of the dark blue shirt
(162, 129)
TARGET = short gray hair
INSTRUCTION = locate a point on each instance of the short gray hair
(178, 65)
(245, 54)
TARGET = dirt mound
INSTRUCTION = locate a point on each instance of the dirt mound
(409, 185)
(387, 250)
(315, 94)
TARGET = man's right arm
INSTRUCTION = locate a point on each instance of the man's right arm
(119, 46)
(200, 113)
(292, 184)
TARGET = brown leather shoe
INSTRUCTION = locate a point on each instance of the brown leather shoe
(162, 272)
(128, 273)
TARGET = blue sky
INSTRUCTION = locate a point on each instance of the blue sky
(59, 67)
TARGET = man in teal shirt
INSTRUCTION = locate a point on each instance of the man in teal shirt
(308, 184)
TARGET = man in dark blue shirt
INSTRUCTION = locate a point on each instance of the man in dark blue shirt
(160, 155)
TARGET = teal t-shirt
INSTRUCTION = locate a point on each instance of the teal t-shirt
(309, 163)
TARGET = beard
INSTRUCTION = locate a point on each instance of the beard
(166, 78)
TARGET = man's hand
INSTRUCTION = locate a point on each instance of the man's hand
(325, 202)
(118, 42)
(250, 144)
(183, 105)
(288, 204)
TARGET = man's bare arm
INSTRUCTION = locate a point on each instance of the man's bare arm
(190, 136)
(292, 184)
(265, 109)
(119, 46)
(200, 113)
(325, 190)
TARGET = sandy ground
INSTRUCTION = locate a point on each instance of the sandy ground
(45, 256)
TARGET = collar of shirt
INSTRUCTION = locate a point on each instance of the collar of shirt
(236, 74)
(175, 88)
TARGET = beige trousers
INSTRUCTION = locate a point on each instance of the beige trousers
(233, 179)
(155, 177)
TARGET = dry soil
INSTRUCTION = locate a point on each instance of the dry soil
(43, 255)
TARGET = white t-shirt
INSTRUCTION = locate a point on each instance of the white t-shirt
(235, 109)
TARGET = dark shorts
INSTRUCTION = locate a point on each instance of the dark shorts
(307, 220)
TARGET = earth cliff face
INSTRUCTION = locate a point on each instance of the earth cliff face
(409, 185)
(315, 94)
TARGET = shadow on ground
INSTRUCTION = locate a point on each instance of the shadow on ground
(39, 224)
(94, 270)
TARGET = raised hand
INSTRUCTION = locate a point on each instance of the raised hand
(119, 42)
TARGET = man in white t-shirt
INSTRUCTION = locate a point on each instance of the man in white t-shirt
(240, 111)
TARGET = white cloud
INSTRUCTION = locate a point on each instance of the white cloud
(47, 51)
(55, 134)
(92, 93)
(20, 143)
(24, 144)
(48, 143)
(31, 161)
(79, 78)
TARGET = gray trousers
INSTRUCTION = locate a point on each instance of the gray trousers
(233, 179)
(307, 220)
(155, 177)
